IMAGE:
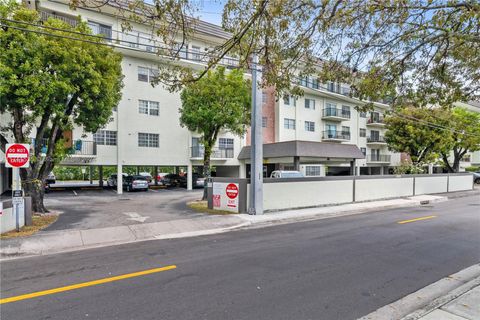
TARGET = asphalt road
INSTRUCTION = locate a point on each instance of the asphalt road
(339, 268)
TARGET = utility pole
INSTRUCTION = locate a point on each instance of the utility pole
(256, 155)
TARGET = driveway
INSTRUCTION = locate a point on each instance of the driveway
(89, 209)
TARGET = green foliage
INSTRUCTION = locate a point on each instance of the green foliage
(50, 82)
(472, 169)
(419, 132)
(218, 101)
(407, 167)
(464, 136)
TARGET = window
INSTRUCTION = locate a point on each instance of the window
(346, 111)
(289, 123)
(314, 83)
(363, 114)
(264, 122)
(196, 53)
(148, 107)
(312, 171)
(289, 100)
(310, 126)
(181, 50)
(364, 151)
(105, 137)
(375, 135)
(225, 143)
(101, 29)
(310, 104)
(346, 132)
(264, 97)
(304, 81)
(149, 140)
(147, 74)
(363, 132)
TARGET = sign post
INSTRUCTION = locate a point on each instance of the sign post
(16, 157)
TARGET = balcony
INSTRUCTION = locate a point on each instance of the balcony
(378, 158)
(376, 140)
(376, 122)
(217, 153)
(44, 16)
(77, 147)
(335, 114)
(332, 135)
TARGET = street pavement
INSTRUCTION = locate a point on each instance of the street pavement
(337, 268)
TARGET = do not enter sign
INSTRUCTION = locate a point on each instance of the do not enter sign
(232, 191)
(17, 155)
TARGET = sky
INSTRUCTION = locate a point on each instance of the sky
(210, 10)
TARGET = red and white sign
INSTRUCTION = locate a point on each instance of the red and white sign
(225, 196)
(17, 155)
(232, 191)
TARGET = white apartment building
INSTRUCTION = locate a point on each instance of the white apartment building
(144, 129)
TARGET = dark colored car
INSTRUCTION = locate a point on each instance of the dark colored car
(476, 177)
(198, 180)
(132, 183)
(174, 180)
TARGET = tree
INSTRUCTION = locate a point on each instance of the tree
(49, 83)
(219, 101)
(419, 132)
(464, 137)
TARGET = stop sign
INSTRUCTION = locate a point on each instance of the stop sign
(17, 155)
(232, 190)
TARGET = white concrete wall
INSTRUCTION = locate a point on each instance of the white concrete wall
(285, 195)
(8, 220)
(373, 189)
(432, 184)
(460, 183)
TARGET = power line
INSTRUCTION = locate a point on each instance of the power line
(301, 80)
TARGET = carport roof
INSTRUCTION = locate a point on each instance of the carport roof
(313, 149)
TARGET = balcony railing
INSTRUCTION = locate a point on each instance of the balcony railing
(79, 147)
(45, 15)
(376, 120)
(338, 113)
(336, 135)
(217, 153)
(378, 158)
(376, 139)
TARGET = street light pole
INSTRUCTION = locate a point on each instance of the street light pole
(256, 156)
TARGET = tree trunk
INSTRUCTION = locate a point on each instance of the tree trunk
(35, 190)
(206, 170)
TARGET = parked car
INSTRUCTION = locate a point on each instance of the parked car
(136, 182)
(174, 180)
(147, 175)
(160, 177)
(476, 177)
(286, 174)
(198, 180)
(112, 180)
(50, 178)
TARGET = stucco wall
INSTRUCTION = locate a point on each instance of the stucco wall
(433, 184)
(372, 189)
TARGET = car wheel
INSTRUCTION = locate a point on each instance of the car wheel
(477, 181)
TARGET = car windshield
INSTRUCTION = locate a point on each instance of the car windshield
(292, 175)
(139, 178)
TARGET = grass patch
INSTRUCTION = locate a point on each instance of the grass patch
(39, 222)
(202, 206)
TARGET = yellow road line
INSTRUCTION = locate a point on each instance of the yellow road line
(85, 284)
(417, 219)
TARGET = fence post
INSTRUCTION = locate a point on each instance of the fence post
(353, 193)
(448, 182)
(413, 185)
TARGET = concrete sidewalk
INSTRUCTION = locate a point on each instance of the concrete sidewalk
(69, 240)
(456, 297)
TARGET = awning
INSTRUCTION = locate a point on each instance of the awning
(309, 149)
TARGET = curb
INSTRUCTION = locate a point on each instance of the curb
(433, 296)
(10, 253)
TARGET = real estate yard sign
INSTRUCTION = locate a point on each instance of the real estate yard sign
(225, 196)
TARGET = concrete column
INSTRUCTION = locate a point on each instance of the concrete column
(119, 179)
(352, 167)
(90, 174)
(296, 163)
(137, 170)
(242, 172)
(382, 169)
(430, 168)
(155, 173)
(189, 176)
(100, 176)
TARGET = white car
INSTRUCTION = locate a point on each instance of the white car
(286, 174)
(146, 175)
